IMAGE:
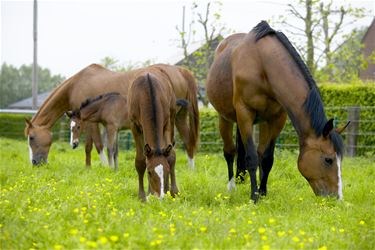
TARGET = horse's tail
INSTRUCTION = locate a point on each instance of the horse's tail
(193, 109)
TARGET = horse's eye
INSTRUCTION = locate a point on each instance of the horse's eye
(31, 138)
(328, 161)
(78, 127)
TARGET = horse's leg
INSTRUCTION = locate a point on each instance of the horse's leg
(245, 120)
(183, 130)
(95, 131)
(241, 153)
(172, 163)
(88, 147)
(116, 152)
(268, 133)
(140, 163)
(111, 138)
(226, 132)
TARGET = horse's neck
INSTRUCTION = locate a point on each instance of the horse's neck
(292, 95)
(91, 113)
(53, 108)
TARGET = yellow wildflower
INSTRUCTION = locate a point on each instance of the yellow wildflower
(103, 239)
(73, 231)
(57, 247)
(280, 233)
(295, 239)
(113, 238)
(261, 230)
(203, 229)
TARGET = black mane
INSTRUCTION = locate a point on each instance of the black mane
(313, 104)
(155, 124)
(89, 101)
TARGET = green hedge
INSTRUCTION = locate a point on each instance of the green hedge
(336, 99)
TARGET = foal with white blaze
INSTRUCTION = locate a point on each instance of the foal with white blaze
(152, 109)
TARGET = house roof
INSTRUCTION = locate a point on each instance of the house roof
(28, 102)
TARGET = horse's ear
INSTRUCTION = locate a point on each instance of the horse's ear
(147, 150)
(69, 114)
(168, 150)
(28, 123)
(328, 128)
(340, 130)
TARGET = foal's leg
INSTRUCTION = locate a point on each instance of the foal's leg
(245, 120)
(226, 132)
(88, 147)
(172, 163)
(140, 163)
(183, 130)
(267, 139)
(116, 152)
(95, 131)
(112, 134)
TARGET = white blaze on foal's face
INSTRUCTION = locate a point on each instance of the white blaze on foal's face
(160, 172)
(72, 125)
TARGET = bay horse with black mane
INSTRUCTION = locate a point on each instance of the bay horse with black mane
(259, 77)
(152, 110)
(109, 109)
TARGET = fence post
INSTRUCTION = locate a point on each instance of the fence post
(353, 129)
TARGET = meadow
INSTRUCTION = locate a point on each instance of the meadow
(64, 205)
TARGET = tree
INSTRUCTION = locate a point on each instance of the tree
(347, 60)
(212, 30)
(323, 29)
(114, 64)
(16, 82)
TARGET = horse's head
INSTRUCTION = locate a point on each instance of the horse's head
(158, 169)
(39, 140)
(75, 127)
(320, 161)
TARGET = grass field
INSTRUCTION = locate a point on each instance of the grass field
(63, 205)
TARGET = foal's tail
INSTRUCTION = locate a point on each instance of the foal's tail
(193, 108)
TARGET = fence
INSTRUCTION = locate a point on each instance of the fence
(359, 137)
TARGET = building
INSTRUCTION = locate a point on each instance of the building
(369, 43)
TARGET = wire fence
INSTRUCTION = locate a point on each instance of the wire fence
(359, 137)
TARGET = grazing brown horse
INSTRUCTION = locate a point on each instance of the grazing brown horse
(152, 109)
(95, 80)
(259, 77)
(109, 109)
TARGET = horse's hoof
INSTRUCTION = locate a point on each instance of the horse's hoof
(263, 192)
(255, 197)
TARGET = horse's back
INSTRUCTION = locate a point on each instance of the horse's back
(219, 85)
(95, 80)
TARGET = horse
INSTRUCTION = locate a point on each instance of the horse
(93, 81)
(259, 77)
(108, 109)
(152, 110)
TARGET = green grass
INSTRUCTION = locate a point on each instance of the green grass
(63, 205)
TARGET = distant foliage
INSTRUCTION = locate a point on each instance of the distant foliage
(113, 64)
(15, 83)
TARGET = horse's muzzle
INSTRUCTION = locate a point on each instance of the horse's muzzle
(75, 145)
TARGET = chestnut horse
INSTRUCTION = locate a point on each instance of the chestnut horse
(108, 109)
(152, 109)
(259, 77)
(93, 81)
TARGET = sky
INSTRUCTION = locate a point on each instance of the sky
(74, 34)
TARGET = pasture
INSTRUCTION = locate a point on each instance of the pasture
(64, 205)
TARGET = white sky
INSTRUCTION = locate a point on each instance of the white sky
(74, 34)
